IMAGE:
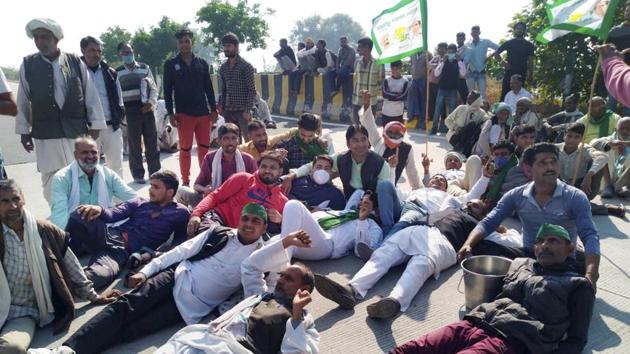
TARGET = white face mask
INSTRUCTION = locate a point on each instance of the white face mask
(321, 177)
(396, 141)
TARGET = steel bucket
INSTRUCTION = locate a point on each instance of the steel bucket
(483, 278)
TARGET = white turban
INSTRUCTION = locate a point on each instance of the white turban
(456, 155)
(46, 24)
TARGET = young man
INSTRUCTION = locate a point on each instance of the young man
(223, 204)
(600, 121)
(39, 274)
(84, 181)
(184, 284)
(110, 95)
(517, 91)
(544, 307)
(368, 76)
(139, 110)
(544, 200)
(238, 90)
(520, 58)
(358, 168)
(617, 146)
(326, 60)
(463, 54)
(346, 57)
(427, 248)
(218, 166)
(285, 57)
(149, 224)
(57, 102)
(399, 154)
(504, 159)
(448, 72)
(307, 65)
(8, 106)
(416, 95)
(394, 95)
(316, 190)
(555, 126)
(305, 144)
(188, 87)
(260, 142)
(476, 61)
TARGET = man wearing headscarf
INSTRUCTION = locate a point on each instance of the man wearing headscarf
(57, 101)
(617, 146)
(465, 114)
(493, 130)
(599, 121)
(524, 114)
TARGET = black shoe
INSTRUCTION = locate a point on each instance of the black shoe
(364, 251)
(384, 308)
(343, 295)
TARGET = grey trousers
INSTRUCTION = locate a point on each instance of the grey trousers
(141, 128)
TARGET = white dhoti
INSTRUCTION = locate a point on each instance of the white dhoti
(472, 174)
(195, 339)
(427, 251)
(52, 155)
(111, 144)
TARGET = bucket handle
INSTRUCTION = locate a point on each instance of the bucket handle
(459, 285)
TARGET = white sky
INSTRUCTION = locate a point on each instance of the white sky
(446, 18)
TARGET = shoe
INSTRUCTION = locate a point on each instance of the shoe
(608, 192)
(616, 210)
(139, 181)
(270, 124)
(624, 192)
(364, 252)
(343, 295)
(384, 308)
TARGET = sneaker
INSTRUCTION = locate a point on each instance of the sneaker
(385, 308)
(364, 252)
(608, 192)
(139, 181)
(343, 295)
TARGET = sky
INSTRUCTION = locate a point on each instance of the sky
(445, 19)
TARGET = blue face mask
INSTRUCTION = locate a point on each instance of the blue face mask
(501, 161)
(451, 56)
(128, 59)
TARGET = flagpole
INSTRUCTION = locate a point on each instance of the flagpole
(588, 114)
(426, 105)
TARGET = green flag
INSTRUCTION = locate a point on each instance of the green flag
(400, 31)
(588, 17)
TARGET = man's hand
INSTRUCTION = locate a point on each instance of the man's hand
(136, 280)
(193, 226)
(300, 300)
(172, 120)
(586, 183)
(365, 211)
(107, 297)
(94, 133)
(488, 169)
(274, 216)
(247, 115)
(298, 239)
(607, 51)
(393, 160)
(365, 97)
(214, 115)
(27, 142)
(147, 107)
(89, 212)
(282, 152)
(464, 252)
(287, 183)
(426, 162)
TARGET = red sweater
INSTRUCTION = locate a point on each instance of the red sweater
(241, 188)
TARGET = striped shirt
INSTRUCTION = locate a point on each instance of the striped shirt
(367, 77)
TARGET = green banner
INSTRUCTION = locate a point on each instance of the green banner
(400, 31)
(588, 17)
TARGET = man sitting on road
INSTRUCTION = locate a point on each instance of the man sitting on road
(304, 145)
(316, 190)
(545, 307)
(218, 166)
(149, 224)
(617, 145)
(261, 142)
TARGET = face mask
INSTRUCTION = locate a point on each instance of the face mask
(501, 161)
(321, 177)
(128, 59)
(451, 56)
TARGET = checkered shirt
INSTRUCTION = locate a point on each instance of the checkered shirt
(238, 86)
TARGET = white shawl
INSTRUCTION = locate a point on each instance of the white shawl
(217, 173)
(104, 199)
(39, 274)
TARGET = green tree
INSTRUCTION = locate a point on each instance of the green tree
(247, 21)
(157, 44)
(328, 29)
(571, 54)
(110, 38)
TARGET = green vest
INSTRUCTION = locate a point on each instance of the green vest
(49, 121)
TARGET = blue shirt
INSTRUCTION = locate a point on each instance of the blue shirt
(475, 58)
(568, 207)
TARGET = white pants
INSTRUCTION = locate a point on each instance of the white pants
(296, 217)
(111, 144)
(52, 155)
(472, 174)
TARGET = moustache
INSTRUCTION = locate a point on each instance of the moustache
(550, 173)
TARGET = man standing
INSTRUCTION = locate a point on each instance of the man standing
(84, 181)
(463, 53)
(520, 58)
(57, 102)
(416, 98)
(369, 76)
(238, 86)
(476, 61)
(110, 94)
(187, 79)
(7, 107)
(449, 71)
(346, 57)
(139, 106)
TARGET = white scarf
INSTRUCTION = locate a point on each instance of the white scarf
(39, 274)
(217, 173)
(99, 180)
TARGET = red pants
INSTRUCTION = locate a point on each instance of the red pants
(459, 337)
(187, 126)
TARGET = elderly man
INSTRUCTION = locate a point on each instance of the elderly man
(84, 181)
(517, 91)
(617, 146)
(525, 115)
(110, 94)
(38, 274)
(57, 102)
(544, 308)
(600, 121)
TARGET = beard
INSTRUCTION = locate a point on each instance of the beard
(13, 217)
(280, 296)
(268, 180)
(87, 165)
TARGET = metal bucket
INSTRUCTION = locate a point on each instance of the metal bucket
(483, 278)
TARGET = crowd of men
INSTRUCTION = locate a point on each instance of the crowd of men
(261, 202)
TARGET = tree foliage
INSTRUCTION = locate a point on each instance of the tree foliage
(328, 29)
(247, 21)
(571, 54)
(157, 44)
(110, 38)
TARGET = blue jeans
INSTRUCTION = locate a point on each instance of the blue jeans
(395, 214)
(451, 97)
(415, 98)
(476, 80)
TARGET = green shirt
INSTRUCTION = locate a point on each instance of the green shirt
(593, 129)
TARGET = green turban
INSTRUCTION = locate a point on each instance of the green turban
(255, 209)
(553, 230)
